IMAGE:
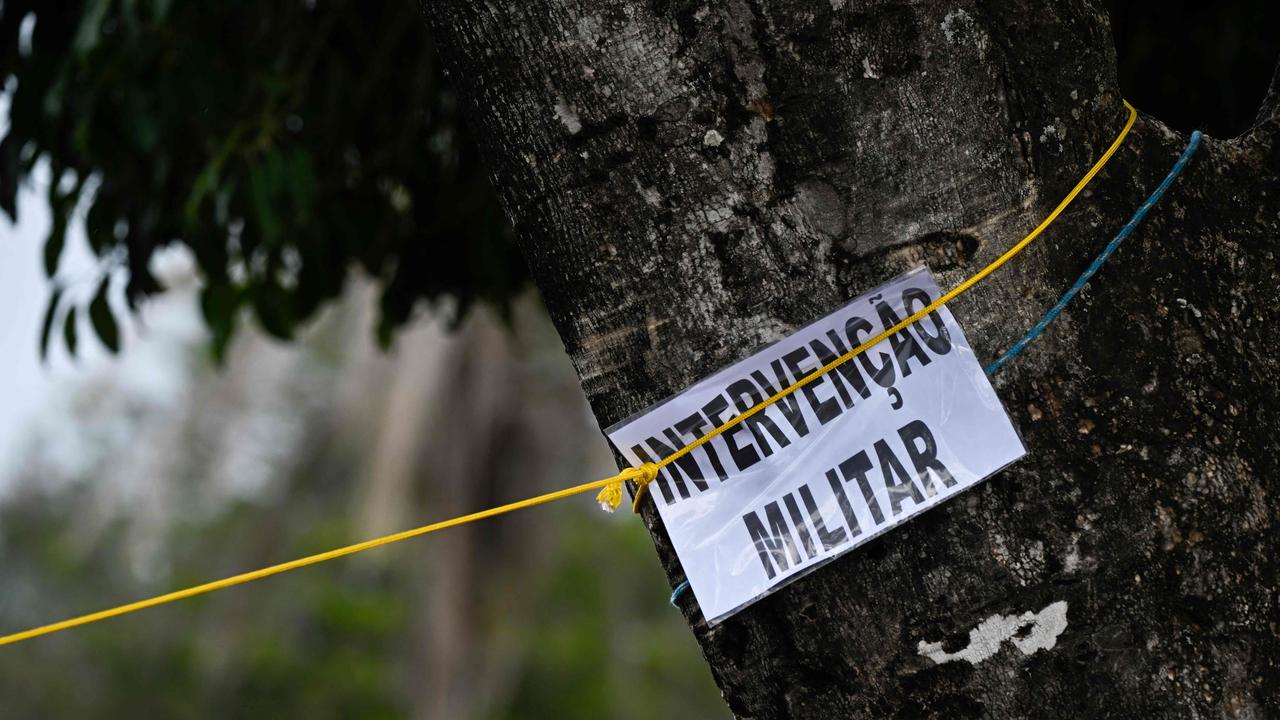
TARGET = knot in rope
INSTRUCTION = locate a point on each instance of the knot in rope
(610, 496)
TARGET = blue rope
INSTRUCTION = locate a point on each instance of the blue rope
(1075, 288)
(675, 594)
(1080, 282)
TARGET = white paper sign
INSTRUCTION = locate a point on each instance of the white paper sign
(902, 427)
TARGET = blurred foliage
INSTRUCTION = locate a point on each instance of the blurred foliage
(587, 637)
(135, 485)
(282, 141)
(321, 647)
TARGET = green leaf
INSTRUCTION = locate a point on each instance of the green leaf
(205, 184)
(104, 322)
(90, 25)
(69, 330)
(10, 177)
(179, 116)
(46, 327)
(385, 333)
(302, 182)
(53, 246)
(219, 303)
(275, 313)
(61, 205)
(99, 223)
(160, 9)
(261, 190)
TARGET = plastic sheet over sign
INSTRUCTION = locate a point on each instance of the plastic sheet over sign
(878, 439)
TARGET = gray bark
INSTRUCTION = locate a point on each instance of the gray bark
(689, 181)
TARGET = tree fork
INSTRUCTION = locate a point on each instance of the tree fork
(689, 181)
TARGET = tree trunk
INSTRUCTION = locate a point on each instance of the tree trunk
(689, 181)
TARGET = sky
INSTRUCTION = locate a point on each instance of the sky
(36, 396)
(26, 385)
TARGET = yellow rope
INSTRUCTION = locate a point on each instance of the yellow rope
(611, 487)
(629, 474)
(946, 297)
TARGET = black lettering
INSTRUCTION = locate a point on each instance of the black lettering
(774, 545)
(846, 370)
(903, 343)
(856, 468)
(939, 342)
(744, 389)
(925, 460)
(825, 357)
(664, 485)
(677, 473)
(693, 426)
(687, 463)
(828, 538)
(846, 507)
(891, 468)
(797, 520)
(884, 375)
(825, 410)
(789, 405)
(743, 456)
(895, 399)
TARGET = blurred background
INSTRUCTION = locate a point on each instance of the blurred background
(257, 300)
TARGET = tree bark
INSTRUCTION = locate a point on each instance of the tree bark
(689, 181)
